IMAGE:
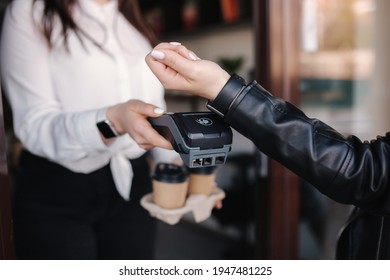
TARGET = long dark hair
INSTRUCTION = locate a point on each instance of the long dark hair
(63, 9)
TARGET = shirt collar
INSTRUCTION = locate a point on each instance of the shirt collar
(103, 12)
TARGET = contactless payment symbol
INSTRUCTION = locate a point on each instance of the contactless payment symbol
(204, 121)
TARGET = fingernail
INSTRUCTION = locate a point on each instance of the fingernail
(158, 111)
(157, 54)
(192, 55)
(175, 43)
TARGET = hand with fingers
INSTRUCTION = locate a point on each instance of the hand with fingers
(178, 68)
(131, 117)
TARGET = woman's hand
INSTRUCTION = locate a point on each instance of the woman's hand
(177, 68)
(131, 117)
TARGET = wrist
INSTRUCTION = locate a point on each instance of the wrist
(218, 85)
(113, 114)
(229, 92)
(104, 124)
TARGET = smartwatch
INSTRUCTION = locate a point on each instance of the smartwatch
(104, 125)
(232, 89)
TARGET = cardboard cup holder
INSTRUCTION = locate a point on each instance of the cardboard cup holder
(200, 205)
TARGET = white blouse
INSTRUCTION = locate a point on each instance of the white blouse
(55, 94)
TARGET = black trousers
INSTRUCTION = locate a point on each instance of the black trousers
(60, 214)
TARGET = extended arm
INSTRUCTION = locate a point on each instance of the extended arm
(343, 168)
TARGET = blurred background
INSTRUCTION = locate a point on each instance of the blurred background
(328, 57)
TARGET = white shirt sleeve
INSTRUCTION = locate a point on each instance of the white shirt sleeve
(39, 121)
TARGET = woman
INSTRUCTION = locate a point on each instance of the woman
(74, 74)
(344, 168)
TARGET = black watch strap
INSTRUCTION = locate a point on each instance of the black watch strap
(227, 95)
(104, 125)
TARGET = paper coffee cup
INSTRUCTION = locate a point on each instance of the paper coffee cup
(201, 180)
(170, 185)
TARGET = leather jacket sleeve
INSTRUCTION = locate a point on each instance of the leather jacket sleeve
(345, 169)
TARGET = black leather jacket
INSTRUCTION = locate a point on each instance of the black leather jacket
(345, 169)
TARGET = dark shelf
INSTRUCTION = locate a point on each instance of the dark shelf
(172, 18)
(202, 31)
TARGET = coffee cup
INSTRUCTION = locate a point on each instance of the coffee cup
(170, 185)
(201, 180)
